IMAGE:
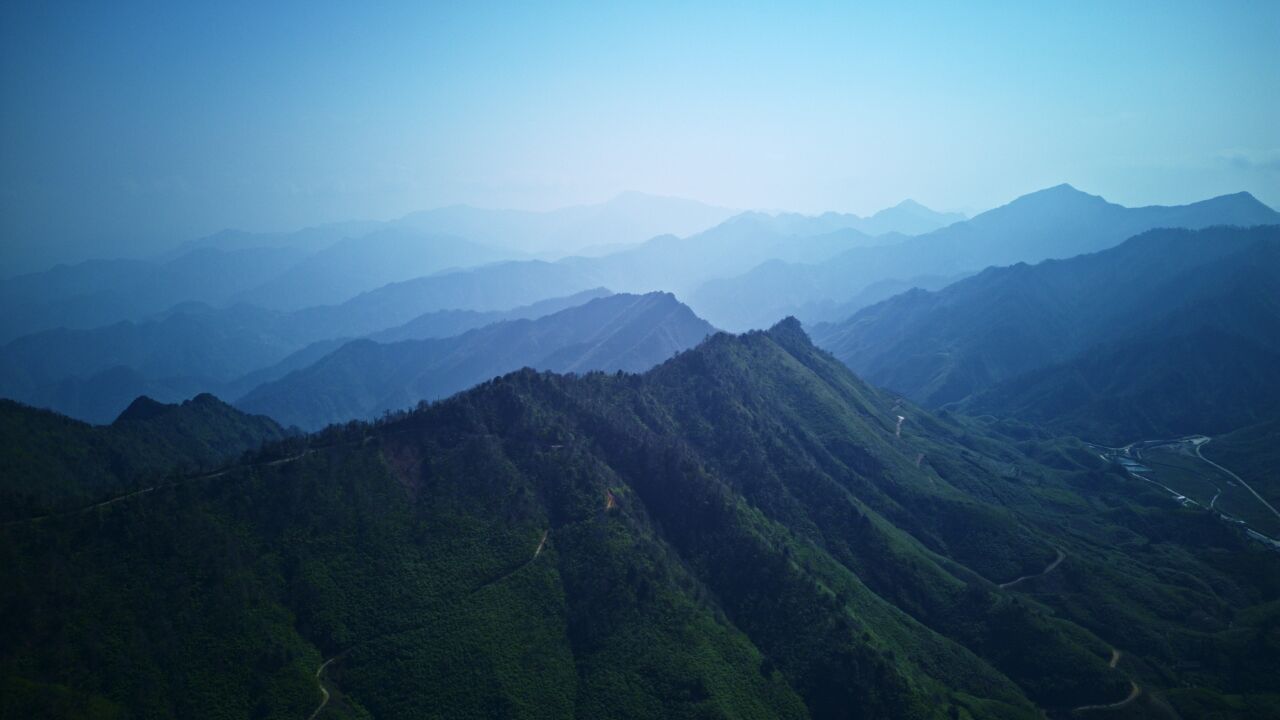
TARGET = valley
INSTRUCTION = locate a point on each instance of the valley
(1177, 467)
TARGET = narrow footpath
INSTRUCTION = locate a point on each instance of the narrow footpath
(324, 692)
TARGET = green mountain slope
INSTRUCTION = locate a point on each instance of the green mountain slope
(1253, 452)
(1201, 381)
(747, 530)
(51, 462)
(1103, 343)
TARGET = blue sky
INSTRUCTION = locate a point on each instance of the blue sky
(129, 127)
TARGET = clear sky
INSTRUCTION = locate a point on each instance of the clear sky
(128, 127)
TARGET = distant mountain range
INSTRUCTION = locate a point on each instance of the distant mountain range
(353, 265)
(328, 264)
(631, 217)
(331, 264)
(1059, 222)
(363, 379)
(1173, 331)
(237, 328)
(100, 292)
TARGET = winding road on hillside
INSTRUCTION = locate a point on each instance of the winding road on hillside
(1131, 459)
(324, 692)
(1050, 568)
(1134, 692)
(144, 491)
(1201, 442)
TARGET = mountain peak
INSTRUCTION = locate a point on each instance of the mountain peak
(1061, 190)
(1057, 196)
(1242, 198)
(789, 333)
(909, 204)
(143, 408)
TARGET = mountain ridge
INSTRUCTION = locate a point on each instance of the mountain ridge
(1003, 323)
(1058, 222)
(363, 378)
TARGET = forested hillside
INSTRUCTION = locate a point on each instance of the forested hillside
(1172, 332)
(50, 462)
(747, 530)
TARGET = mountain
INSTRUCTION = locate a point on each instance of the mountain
(364, 379)
(354, 265)
(104, 394)
(51, 462)
(307, 240)
(494, 287)
(1169, 330)
(675, 263)
(100, 292)
(830, 311)
(1059, 222)
(328, 264)
(628, 218)
(907, 218)
(747, 530)
(441, 323)
(94, 374)
(679, 264)
(1203, 380)
(445, 323)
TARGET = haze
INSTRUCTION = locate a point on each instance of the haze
(127, 130)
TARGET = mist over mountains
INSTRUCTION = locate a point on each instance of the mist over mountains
(364, 379)
(508, 463)
(639, 361)
(255, 309)
(1059, 222)
(223, 312)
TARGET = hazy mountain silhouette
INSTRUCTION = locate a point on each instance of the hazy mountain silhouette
(93, 374)
(99, 292)
(632, 239)
(1059, 222)
(627, 218)
(328, 264)
(497, 286)
(355, 265)
(445, 323)
(362, 379)
(907, 218)
(307, 240)
(680, 264)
